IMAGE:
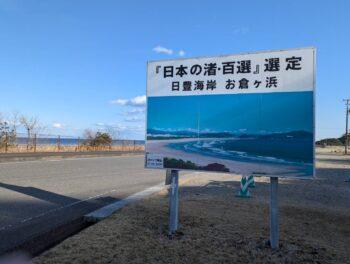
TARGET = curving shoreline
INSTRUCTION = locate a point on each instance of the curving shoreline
(241, 167)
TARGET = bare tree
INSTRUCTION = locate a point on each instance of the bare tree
(14, 122)
(3, 128)
(30, 124)
(112, 131)
(7, 135)
(89, 134)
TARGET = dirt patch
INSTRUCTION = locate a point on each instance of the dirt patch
(217, 227)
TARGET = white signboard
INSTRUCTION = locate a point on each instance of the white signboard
(248, 113)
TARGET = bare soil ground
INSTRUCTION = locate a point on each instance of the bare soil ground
(217, 227)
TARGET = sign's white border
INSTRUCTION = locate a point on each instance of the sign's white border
(238, 54)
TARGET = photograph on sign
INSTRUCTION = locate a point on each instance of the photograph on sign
(248, 114)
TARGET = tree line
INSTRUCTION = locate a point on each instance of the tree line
(9, 128)
(11, 124)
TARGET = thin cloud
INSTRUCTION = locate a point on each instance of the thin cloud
(160, 49)
(182, 53)
(133, 119)
(135, 111)
(100, 124)
(138, 101)
(58, 125)
(128, 129)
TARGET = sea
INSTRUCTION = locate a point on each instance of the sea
(293, 150)
(73, 141)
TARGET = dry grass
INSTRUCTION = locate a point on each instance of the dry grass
(72, 148)
(330, 149)
(65, 148)
(217, 227)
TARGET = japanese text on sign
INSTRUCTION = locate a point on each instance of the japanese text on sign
(280, 70)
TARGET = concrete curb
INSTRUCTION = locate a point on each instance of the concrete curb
(108, 210)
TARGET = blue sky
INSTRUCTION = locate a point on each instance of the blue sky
(82, 64)
(238, 113)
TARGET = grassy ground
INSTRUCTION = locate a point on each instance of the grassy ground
(217, 227)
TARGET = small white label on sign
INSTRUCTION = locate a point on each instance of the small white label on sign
(154, 161)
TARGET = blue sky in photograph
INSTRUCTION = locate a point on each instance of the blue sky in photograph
(238, 113)
(82, 64)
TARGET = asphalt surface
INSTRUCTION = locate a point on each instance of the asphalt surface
(36, 196)
(30, 156)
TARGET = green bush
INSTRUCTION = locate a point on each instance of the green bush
(100, 139)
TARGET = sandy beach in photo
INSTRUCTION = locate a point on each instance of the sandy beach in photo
(162, 148)
(229, 133)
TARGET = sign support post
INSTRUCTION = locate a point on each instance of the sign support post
(274, 232)
(347, 103)
(173, 202)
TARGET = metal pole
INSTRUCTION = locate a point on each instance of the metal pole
(6, 141)
(34, 142)
(346, 125)
(28, 139)
(174, 202)
(59, 143)
(274, 233)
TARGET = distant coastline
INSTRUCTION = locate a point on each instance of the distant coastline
(158, 134)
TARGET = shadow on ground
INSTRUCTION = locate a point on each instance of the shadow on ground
(217, 227)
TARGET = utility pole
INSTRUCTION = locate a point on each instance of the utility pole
(347, 103)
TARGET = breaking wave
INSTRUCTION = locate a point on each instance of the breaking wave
(248, 150)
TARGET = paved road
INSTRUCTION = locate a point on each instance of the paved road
(37, 195)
